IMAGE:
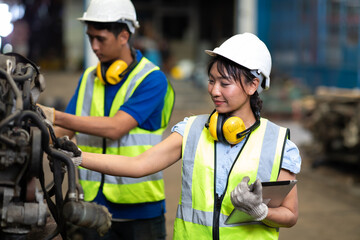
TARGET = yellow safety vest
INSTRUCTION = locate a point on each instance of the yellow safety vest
(121, 190)
(200, 214)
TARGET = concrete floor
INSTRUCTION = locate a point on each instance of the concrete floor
(329, 205)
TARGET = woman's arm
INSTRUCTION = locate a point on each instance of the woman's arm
(151, 161)
(287, 214)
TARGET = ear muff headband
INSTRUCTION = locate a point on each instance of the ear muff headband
(228, 129)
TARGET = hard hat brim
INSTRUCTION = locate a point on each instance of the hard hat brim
(83, 19)
(131, 24)
(211, 53)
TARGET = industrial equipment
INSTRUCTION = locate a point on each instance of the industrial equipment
(25, 136)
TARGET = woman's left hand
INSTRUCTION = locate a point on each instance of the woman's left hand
(249, 199)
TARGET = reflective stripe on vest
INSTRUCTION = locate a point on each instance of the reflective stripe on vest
(260, 158)
(120, 189)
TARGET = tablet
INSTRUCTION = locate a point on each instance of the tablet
(275, 192)
(273, 195)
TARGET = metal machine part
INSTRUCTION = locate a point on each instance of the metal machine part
(24, 138)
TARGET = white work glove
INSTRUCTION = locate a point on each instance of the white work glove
(249, 199)
(70, 149)
(76, 160)
(49, 112)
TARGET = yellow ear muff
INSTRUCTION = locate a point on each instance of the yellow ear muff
(231, 129)
(113, 73)
(228, 129)
(213, 121)
(99, 73)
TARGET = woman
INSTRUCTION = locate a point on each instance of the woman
(223, 152)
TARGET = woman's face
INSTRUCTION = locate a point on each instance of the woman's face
(227, 94)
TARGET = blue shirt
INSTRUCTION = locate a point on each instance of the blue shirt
(227, 154)
(145, 106)
(146, 103)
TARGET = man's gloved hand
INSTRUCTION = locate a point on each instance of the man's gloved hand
(68, 147)
(49, 112)
(249, 199)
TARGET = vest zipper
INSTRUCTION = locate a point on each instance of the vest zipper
(217, 204)
(103, 175)
(216, 218)
(218, 200)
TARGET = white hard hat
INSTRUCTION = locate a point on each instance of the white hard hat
(112, 11)
(250, 52)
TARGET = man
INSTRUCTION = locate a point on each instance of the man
(121, 106)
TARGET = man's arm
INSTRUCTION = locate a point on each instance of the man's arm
(152, 89)
(109, 127)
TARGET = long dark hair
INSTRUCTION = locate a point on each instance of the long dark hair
(235, 71)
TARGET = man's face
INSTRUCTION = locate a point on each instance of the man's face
(104, 44)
